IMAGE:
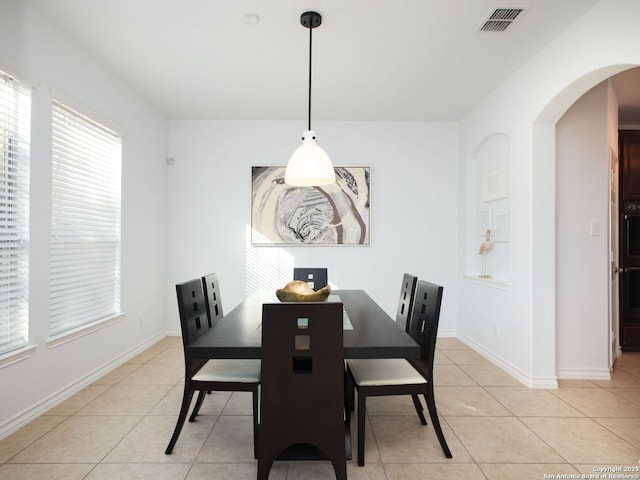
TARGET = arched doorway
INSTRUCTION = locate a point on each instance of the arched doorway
(586, 214)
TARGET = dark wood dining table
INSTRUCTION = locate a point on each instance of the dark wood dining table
(369, 331)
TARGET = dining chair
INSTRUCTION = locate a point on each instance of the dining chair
(316, 277)
(204, 375)
(403, 314)
(302, 389)
(213, 304)
(397, 376)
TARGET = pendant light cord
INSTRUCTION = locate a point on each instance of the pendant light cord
(309, 116)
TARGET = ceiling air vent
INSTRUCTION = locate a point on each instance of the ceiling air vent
(500, 19)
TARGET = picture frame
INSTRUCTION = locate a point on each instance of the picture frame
(502, 227)
(337, 214)
(494, 185)
(485, 221)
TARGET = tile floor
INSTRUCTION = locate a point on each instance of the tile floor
(496, 428)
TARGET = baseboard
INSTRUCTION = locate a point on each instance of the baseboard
(447, 333)
(515, 372)
(599, 374)
(33, 412)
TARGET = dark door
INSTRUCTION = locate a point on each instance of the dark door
(630, 240)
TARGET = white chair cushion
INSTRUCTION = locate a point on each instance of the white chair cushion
(384, 371)
(229, 370)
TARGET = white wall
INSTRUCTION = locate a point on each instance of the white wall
(582, 260)
(526, 108)
(33, 48)
(414, 202)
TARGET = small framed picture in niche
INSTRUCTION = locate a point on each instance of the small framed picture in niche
(485, 221)
(494, 185)
(502, 227)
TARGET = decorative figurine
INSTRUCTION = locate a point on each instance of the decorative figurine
(484, 247)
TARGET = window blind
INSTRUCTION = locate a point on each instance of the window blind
(85, 243)
(15, 132)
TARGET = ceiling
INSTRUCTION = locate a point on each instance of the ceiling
(379, 60)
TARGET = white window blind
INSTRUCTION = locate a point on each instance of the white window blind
(15, 132)
(85, 243)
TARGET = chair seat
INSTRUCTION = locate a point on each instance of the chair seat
(384, 371)
(229, 370)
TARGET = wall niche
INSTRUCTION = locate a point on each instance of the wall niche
(487, 256)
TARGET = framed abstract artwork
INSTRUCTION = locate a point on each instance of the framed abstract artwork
(337, 214)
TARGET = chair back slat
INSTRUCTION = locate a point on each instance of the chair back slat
(316, 277)
(212, 297)
(423, 326)
(193, 310)
(405, 303)
(194, 320)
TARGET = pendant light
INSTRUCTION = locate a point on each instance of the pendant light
(309, 166)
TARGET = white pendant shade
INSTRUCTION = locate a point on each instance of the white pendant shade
(309, 166)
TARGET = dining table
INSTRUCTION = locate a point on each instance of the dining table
(368, 331)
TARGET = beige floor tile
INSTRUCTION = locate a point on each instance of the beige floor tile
(28, 434)
(170, 403)
(126, 400)
(466, 357)
(435, 471)
(45, 471)
(139, 471)
(173, 355)
(528, 402)
(450, 343)
(310, 470)
(490, 375)
(151, 352)
(78, 439)
(633, 371)
(117, 375)
(118, 427)
(404, 439)
(465, 401)
(392, 405)
(451, 375)
(628, 360)
(156, 349)
(626, 428)
(620, 379)
(630, 394)
(231, 441)
(572, 383)
(497, 471)
(74, 403)
(440, 358)
(371, 452)
(149, 439)
(501, 440)
(240, 403)
(582, 440)
(155, 374)
(597, 402)
(234, 471)
(370, 471)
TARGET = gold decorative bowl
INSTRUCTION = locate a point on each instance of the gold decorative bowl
(299, 291)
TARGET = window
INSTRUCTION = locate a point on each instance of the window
(15, 131)
(85, 230)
